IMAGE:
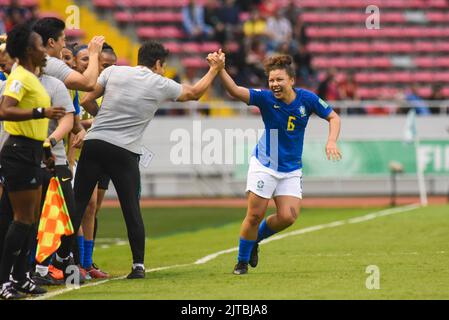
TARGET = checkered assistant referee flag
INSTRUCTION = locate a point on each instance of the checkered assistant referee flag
(54, 223)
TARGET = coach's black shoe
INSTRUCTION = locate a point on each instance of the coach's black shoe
(28, 286)
(8, 292)
(241, 268)
(136, 273)
(69, 269)
(254, 257)
(46, 280)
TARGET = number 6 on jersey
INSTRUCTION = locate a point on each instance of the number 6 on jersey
(291, 125)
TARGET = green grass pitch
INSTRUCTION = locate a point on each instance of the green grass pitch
(411, 250)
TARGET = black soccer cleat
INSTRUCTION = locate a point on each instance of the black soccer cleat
(254, 257)
(46, 280)
(8, 292)
(69, 269)
(28, 286)
(136, 273)
(240, 268)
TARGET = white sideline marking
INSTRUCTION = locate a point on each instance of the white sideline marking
(210, 257)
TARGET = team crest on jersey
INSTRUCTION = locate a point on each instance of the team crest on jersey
(302, 111)
(16, 86)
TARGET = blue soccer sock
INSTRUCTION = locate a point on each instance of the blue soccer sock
(88, 252)
(264, 231)
(245, 247)
(80, 241)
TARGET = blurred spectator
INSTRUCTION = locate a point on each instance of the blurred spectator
(304, 70)
(283, 48)
(293, 13)
(416, 102)
(33, 16)
(235, 62)
(347, 90)
(279, 30)
(2, 23)
(211, 14)
(193, 22)
(328, 88)
(15, 14)
(248, 5)
(255, 26)
(254, 61)
(268, 8)
(229, 15)
(300, 31)
(436, 95)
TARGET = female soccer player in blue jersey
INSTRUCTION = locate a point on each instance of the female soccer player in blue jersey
(275, 167)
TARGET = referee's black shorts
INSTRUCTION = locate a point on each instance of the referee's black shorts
(21, 159)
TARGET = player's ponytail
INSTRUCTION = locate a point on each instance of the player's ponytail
(280, 62)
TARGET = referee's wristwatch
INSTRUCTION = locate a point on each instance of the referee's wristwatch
(53, 142)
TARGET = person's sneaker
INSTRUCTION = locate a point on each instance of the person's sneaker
(68, 268)
(94, 265)
(28, 286)
(46, 280)
(84, 273)
(96, 273)
(136, 273)
(55, 272)
(241, 268)
(254, 257)
(8, 292)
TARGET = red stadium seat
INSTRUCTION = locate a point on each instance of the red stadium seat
(74, 33)
(318, 47)
(159, 33)
(49, 14)
(362, 47)
(424, 47)
(173, 47)
(401, 77)
(104, 4)
(191, 47)
(210, 47)
(124, 17)
(424, 62)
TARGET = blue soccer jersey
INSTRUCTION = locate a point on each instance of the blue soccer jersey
(280, 147)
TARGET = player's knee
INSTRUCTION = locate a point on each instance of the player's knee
(289, 218)
(254, 219)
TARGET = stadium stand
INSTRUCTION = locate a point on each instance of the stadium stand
(409, 48)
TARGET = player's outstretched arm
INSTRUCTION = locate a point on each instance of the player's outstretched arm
(237, 92)
(332, 151)
(88, 101)
(87, 80)
(216, 63)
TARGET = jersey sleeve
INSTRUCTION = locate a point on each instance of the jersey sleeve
(256, 97)
(104, 76)
(15, 87)
(318, 105)
(171, 89)
(57, 68)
